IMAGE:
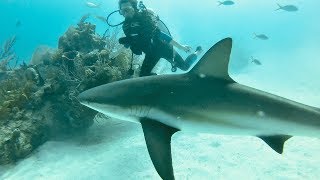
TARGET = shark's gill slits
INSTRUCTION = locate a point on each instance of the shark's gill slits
(139, 111)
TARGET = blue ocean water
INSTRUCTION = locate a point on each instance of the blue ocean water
(43, 22)
(293, 36)
(191, 22)
(290, 60)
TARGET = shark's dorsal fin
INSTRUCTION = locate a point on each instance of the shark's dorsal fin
(158, 138)
(215, 61)
(275, 142)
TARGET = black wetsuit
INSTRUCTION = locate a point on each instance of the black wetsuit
(143, 35)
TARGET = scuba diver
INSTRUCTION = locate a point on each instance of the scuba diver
(143, 34)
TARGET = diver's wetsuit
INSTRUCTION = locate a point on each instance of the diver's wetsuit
(143, 35)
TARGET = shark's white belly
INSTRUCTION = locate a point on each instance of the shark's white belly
(215, 122)
(229, 123)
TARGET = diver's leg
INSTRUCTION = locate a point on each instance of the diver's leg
(190, 60)
(173, 57)
(148, 64)
(179, 62)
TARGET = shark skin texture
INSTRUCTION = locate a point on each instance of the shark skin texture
(204, 100)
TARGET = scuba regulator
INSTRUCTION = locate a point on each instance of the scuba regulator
(141, 7)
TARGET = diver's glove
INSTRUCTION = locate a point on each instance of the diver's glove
(124, 41)
(131, 72)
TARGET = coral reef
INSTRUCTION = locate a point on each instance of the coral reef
(7, 54)
(81, 38)
(39, 102)
(42, 54)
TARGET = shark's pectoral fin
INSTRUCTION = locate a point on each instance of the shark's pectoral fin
(275, 142)
(158, 138)
(215, 61)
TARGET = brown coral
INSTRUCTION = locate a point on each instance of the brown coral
(39, 101)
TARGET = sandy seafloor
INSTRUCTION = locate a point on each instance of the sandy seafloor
(113, 150)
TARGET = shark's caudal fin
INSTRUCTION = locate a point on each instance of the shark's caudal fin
(276, 142)
(158, 138)
(215, 61)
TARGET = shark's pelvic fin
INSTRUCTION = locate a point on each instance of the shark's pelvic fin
(215, 61)
(158, 138)
(276, 142)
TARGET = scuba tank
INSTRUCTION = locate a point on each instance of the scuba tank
(162, 27)
(160, 24)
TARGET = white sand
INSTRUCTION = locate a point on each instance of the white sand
(112, 150)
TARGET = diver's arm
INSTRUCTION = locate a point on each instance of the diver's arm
(170, 40)
(185, 48)
(126, 44)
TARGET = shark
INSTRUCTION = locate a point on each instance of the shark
(203, 100)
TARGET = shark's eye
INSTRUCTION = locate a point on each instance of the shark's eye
(91, 99)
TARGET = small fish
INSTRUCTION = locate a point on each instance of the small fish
(261, 36)
(18, 23)
(101, 18)
(92, 5)
(227, 3)
(255, 61)
(289, 8)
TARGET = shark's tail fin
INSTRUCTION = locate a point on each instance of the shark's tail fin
(219, 3)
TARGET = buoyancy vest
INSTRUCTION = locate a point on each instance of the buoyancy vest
(141, 31)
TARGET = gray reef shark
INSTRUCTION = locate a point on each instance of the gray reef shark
(205, 99)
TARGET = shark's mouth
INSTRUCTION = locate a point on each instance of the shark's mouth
(132, 113)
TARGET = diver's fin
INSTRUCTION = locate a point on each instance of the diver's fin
(215, 61)
(158, 138)
(275, 142)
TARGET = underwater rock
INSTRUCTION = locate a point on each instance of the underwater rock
(81, 38)
(20, 136)
(90, 58)
(70, 55)
(32, 75)
(42, 54)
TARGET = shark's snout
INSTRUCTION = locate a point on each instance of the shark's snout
(96, 98)
(85, 98)
(81, 97)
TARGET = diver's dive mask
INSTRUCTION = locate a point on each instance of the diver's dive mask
(125, 10)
